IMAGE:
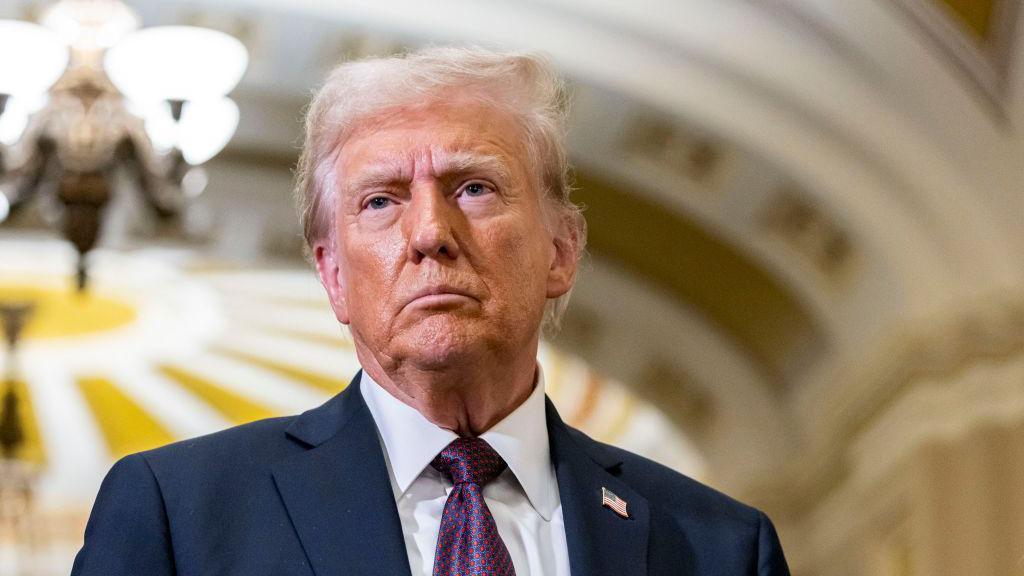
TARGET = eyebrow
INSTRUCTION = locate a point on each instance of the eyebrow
(462, 163)
(394, 169)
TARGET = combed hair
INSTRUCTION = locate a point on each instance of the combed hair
(524, 85)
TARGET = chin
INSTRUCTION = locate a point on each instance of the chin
(441, 341)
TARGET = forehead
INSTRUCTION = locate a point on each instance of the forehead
(445, 136)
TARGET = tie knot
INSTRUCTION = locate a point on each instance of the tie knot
(469, 460)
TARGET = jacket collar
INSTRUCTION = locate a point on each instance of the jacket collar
(337, 492)
(599, 540)
(521, 439)
(316, 426)
(339, 497)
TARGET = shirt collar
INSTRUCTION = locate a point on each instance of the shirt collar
(521, 439)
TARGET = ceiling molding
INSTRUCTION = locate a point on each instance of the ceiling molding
(941, 347)
(703, 271)
(978, 46)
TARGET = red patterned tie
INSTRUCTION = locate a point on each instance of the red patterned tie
(468, 543)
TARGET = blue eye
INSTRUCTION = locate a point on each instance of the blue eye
(378, 202)
(475, 189)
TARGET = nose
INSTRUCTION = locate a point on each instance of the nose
(429, 222)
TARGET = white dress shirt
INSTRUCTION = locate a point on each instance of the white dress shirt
(523, 499)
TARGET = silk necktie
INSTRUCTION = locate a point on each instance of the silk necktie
(468, 543)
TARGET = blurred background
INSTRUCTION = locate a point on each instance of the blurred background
(805, 284)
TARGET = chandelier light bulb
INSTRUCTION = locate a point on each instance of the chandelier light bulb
(90, 24)
(12, 125)
(205, 128)
(5, 206)
(161, 128)
(33, 58)
(176, 63)
(16, 115)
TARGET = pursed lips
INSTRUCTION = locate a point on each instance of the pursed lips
(441, 290)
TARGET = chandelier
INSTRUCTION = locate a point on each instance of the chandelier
(88, 100)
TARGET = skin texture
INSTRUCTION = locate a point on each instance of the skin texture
(442, 256)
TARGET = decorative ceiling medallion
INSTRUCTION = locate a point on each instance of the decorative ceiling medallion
(812, 233)
(681, 152)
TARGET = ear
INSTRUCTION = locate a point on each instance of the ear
(330, 276)
(564, 258)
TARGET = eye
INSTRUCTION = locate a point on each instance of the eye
(475, 189)
(378, 203)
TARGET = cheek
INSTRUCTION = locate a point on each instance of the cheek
(519, 258)
(373, 276)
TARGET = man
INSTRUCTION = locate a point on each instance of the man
(434, 194)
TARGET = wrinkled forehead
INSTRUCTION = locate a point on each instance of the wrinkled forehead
(402, 167)
(399, 144)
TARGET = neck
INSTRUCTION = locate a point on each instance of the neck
(467, 398)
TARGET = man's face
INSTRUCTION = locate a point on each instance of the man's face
(441, 251)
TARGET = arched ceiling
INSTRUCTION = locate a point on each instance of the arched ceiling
(666, 249)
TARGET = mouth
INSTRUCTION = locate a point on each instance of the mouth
(443, 296)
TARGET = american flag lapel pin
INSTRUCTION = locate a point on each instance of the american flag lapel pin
(609, 499)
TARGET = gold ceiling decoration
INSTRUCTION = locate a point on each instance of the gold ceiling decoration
(976, 15)
(59, 313)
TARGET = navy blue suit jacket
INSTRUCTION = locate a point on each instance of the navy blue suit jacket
(309, 495)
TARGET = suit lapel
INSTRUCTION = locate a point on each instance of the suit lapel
(339, 497)
(599, 540)
(338, 494)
